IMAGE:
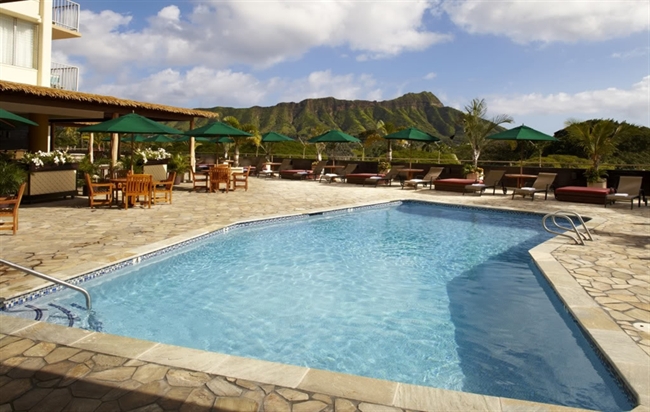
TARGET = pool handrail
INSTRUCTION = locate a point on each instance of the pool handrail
(580, 236)
(51, 279)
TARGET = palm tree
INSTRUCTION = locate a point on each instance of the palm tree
(477, 129)
(598, 138)
(384, 129)
(239, 140)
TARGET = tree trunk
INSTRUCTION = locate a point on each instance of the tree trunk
(389, 153)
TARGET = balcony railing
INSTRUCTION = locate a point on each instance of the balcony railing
(64, 77)
(65, 13)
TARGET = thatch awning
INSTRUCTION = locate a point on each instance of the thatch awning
(24, 94)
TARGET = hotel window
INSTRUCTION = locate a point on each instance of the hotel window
(18, 42)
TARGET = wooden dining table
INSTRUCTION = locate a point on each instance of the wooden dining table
(410, 172)
(521, 178)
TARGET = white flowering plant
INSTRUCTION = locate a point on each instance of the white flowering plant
(53, 158)
(143, 155)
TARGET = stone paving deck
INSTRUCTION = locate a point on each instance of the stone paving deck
(604, 285)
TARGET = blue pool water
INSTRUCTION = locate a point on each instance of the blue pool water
(417, 293)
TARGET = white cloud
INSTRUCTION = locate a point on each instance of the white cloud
(546, 21)
(198, 87)
(260, 33)
(637, 52)
(205, 87)
(430, 76)
(632, 105)
(325, 84)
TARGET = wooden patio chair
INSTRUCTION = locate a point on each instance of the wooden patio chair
(136, 186)
(200, 180)
(162, 190)
(9, 209)
(240, 179)
(99, 194)
(218, 175)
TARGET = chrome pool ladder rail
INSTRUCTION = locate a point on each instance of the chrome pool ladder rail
(580, 236)
(51, 279)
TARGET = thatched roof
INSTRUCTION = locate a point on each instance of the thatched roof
(96, 101)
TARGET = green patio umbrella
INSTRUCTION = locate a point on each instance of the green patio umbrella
(273, 137)
(334, 136)
(412, 134)
(131, 123)
(522, 133)
(9, 121)
(160, 138)
(216, 129)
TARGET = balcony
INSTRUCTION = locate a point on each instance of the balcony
(65, 19)
(64, 77)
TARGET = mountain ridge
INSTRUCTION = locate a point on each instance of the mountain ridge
(422, 110)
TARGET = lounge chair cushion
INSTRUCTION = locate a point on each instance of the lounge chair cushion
(580, 194)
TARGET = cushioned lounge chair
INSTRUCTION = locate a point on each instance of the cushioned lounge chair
(541, 184)
(427, 179)
(629, 188)
(329, 177)
(493, 179)
(387, 179)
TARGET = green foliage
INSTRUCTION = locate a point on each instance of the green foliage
(383, 166)
(598, 138)
(12, 175)
(594, 175)
(477, 129)
(178, 163)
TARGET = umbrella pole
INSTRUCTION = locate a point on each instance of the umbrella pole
(132, 144)
(521, 161)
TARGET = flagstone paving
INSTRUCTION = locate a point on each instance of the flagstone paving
(66, 238)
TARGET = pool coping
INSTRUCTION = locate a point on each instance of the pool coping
(615, 346)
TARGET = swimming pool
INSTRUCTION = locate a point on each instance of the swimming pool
(423, 294)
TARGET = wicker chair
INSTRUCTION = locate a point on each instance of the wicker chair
(136, 186)
(9, 208)
(99, 194)
(541, 185)
(162, 190)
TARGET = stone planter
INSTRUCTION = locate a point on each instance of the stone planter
(601, 185)
(51, 182)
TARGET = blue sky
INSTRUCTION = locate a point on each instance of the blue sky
(540, 61)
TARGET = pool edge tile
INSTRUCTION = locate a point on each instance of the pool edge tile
(9, 325)
(114, 345)
(275, 373)
(182, 357)
(516, 405)
(425, 398)
(349, 386)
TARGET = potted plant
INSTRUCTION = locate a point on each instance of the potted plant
(180, 164)
(383, 166)
(472, 172)
(12, 176)
(596, 177)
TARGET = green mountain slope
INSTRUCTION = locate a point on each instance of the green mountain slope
(422, 110)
